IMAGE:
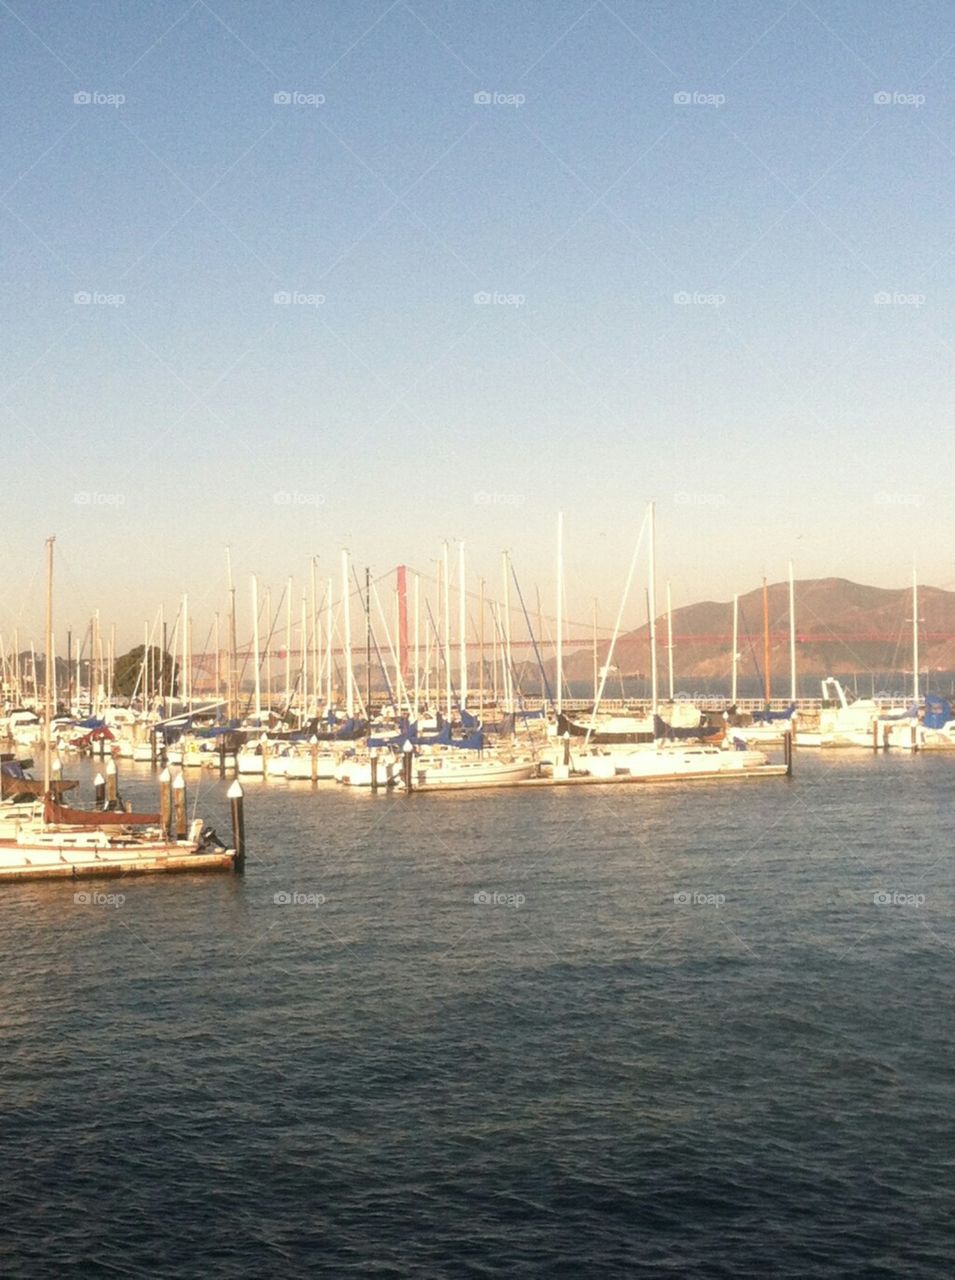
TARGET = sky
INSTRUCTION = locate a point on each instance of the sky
(295, 276)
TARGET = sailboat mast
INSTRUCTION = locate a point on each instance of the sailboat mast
(447, 632)
(792, 634)
(48, 716)
(915, 635)
(735, 648)
(506, 648)
(669, 642)
(346, 616)
(288, 644)
(653, 609)
(767, 674)
(462, 627)
(255, 647)
(328, 642)
(481, 653)
(417, 644)
(560, 612)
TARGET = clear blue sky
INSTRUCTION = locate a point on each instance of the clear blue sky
(780, 411)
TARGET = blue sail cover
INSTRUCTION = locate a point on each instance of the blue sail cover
(938, 712)
(468, 721)
(767, 717)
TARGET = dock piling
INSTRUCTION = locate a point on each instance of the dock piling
(179, 806)
(165, 802)
(407, 763)
(99, 791)
(112, 783)
(237, 802)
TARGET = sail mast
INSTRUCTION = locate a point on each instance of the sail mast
(669, 641)
(462, 627)
(48, 714)
(792, 635)
(560, 611)
(735, 647)
(915, 634)
(653, 610)
(255, 647)
(767, 674)
(346, 615)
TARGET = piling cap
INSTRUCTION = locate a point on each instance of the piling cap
(263, 737)
(179, 783)
(99, 781)
(313, 741)
(235, 792)
(110, 766)
(165, 775)
(407, 747)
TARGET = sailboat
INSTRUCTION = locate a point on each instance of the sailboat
(64, 842)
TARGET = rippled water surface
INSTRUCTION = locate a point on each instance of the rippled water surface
(553, 1032)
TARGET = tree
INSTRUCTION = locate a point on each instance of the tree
(128, 671)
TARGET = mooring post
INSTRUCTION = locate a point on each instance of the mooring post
(875, 735)
(566, 748)
(221, 755)
(373, 758)
(313, 752)
(99, 791)
(165, 802)
(237, 802)
(406, 766)
(915, 737)
(264, 748)
(56, 774)
(112, 783)
(153, 752)
(788, 752)
(179, 805)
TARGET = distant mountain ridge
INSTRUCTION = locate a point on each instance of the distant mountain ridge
(842, 628)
